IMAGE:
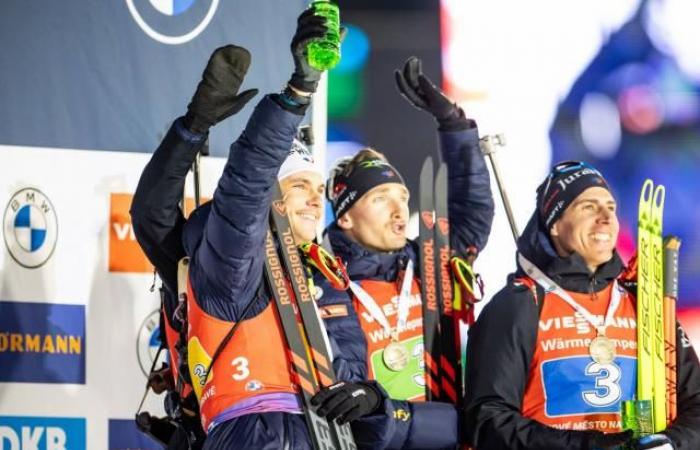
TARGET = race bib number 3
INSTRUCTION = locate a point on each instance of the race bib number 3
(578, 385)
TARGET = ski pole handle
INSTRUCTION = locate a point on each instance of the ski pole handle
(488, 144)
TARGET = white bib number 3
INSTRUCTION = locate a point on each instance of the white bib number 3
(241, 365)
(607, 387)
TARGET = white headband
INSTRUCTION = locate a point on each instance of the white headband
(299, 160)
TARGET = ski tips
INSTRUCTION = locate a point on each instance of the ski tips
(647, 191)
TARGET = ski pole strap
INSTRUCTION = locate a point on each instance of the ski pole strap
(467, 280)
(331, 268)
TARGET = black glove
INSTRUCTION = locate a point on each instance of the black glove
(597, 440)
(216, 96)
(423, 94)
(348, 401)
(653, 441)
(309, 27)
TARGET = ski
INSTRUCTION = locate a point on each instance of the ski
(307, 341)
(671, 246)
(450, 364)
(659, 346)
(428, 285)
(651, 370)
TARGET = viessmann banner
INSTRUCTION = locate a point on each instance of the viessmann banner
(112, 75)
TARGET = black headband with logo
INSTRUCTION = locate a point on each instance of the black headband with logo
(344, 191)
(564, 183)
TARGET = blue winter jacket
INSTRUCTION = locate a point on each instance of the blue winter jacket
(419, 425)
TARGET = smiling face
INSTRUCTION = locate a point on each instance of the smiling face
(378, 219)
(588, 227)
(302, 193)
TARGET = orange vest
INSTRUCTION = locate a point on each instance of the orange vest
(252, 364)
(408, 384)
(566, 389)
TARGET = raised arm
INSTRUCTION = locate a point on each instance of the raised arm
(471, 205)
(227, 262)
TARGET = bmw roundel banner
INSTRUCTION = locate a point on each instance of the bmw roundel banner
(112, 75)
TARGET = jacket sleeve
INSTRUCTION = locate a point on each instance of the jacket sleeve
(424, 425)
(227, 264)
(499, 352)
(685, 430)
(471, 205)
(155, 212)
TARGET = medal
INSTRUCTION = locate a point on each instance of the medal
(602, 350)
(395, 357)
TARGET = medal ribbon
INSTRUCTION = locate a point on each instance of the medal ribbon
(550, 286)
(376, 312)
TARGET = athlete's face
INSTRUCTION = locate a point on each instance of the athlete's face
(302, 193)
(588, 227)
(378, 219)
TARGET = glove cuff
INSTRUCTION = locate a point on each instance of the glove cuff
(289, 100)
(455, 121)
(300, 83)
(195, 124)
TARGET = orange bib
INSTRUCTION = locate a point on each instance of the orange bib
(566, 388)
(253, 363)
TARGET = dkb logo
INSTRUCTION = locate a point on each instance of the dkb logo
(41, 433)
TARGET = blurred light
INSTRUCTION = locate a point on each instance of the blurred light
(641, 110)
(600, 125)
(345, 94)
(672, 26)
(354, 50)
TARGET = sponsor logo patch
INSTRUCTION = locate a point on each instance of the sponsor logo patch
(42, 343)
(42, 433)
(172, 22)
(31, 228)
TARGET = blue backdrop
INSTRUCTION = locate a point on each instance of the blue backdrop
(86, 75)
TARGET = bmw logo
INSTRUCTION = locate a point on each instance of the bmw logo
(148, 342)
(172, 22)
(31, 228)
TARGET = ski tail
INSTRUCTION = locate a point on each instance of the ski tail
(308, 346)
(427, 260)
(671, 247)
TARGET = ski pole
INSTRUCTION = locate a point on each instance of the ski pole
(671, 246)
(488, 144)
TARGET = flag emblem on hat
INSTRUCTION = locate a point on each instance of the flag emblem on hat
(30, 228)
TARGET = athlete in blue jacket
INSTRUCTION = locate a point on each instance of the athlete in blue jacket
(224, 241)
(370, 202)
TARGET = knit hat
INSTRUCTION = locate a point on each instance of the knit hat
(299, 159)
(343, 190)
(564, 183)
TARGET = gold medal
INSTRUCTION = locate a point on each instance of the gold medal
(602, 350)
(395, 357)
